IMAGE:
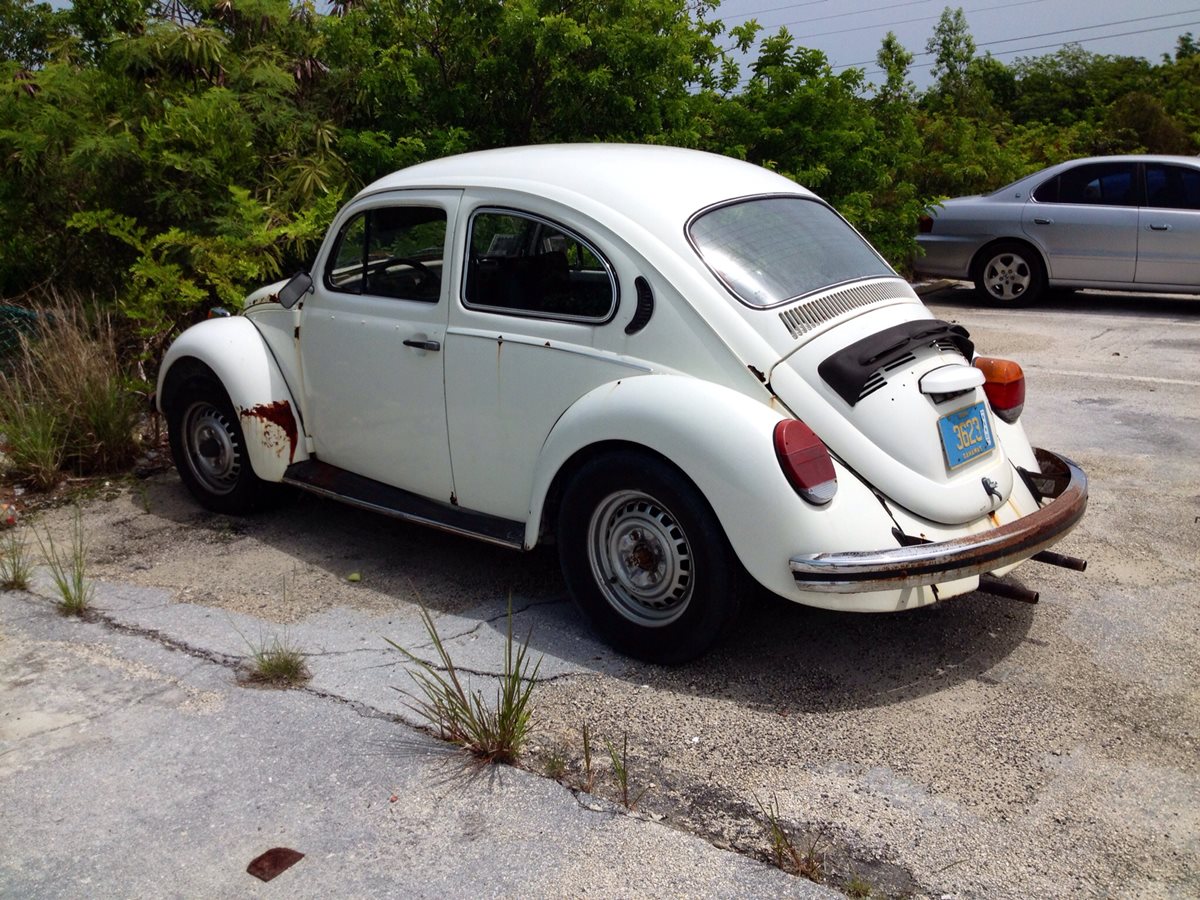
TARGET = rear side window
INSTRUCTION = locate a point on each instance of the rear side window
(392, 251)
(1172, 187)
(770, 250)
(526, 265)
(1098, 184)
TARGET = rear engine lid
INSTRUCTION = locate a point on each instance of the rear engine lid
(893, 394)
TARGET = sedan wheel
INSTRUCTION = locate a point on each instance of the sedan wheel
(1010, 274)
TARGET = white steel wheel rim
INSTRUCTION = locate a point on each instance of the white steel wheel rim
(640, 558)
(1007, 276)
(211, 448)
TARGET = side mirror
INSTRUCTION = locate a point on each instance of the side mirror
(298, 285)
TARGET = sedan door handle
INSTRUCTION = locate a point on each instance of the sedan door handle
(423, 345)
(1037, 221)
(1160, 227)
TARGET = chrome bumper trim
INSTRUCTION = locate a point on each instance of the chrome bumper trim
(1061, 482)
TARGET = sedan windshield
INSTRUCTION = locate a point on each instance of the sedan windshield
(773, 249)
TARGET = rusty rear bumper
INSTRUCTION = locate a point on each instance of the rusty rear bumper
(1063, 488)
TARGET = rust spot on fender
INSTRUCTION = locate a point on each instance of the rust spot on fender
(278, 413)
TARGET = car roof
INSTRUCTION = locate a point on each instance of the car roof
(643, 182)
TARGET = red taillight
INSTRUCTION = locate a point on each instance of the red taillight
(1004, 384)
(805, 461)
(925, 224)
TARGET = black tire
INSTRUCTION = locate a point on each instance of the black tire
(209, 449)
(1010, 273)
(646, 560)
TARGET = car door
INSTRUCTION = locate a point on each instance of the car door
(1086, 220)
(536, 298)
(371, 338)
(1169, 232)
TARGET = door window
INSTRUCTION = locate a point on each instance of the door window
(1097, 184)
(391, 251)
(1172, 187)
(526, 265)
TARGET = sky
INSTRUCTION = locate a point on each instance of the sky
(850, 31)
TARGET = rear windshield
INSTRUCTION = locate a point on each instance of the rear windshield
(773, 249)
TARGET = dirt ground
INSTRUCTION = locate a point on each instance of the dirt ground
(982, 748)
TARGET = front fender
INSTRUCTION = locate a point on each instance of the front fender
(239, 357)
(724, 442)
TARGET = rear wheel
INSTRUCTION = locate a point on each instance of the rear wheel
(1010, 273)
(646, 559)
(209, 449)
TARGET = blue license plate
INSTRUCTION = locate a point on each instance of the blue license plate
(966, 435)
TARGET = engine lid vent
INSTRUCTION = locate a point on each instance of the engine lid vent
(804, 317)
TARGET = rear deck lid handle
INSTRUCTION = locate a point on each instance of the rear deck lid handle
(951, 379)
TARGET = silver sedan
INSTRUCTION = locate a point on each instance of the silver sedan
(1128, 223)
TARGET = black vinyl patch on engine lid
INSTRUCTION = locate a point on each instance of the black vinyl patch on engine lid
(849, 370)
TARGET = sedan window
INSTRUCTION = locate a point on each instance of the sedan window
(1100, 184)
(1172, 187)
(527, 265)
(393, 251)
(773, 249)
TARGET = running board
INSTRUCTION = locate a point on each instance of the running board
(365, 493)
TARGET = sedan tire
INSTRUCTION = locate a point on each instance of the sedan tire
(646, 559)
(1010, 273)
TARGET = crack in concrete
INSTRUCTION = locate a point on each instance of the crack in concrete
(234, 663)
(474, 628)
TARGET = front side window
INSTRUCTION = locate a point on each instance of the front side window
(770, 250)
(1172, 187)
(1099, 184)
(527, 265)
(391, 251)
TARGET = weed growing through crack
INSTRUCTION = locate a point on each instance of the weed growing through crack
(277, 663)
(807, 863)
(858, 887)
(589, 777)
(16, 565)
(68, 568)
(620, 764)
(555, 764)
(493, 733)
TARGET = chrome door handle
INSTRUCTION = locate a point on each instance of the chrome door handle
(1160, 227)
(1037, 221)
(423, 345)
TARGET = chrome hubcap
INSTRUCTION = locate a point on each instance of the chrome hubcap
(211, 448)
(641, 558)
(1007, 276)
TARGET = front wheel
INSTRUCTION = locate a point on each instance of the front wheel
(646, 559)
(209, 449)
(1010, 273)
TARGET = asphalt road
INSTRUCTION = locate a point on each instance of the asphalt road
(983, 748)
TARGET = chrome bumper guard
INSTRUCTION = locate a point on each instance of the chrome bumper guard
(1062, 486)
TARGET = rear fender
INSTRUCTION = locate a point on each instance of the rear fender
(723, 441)
(234, 351)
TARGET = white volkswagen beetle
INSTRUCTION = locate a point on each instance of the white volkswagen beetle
(681, 368)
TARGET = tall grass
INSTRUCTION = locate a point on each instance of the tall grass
(493, 732)
(68, 568)
(65, 402)
(16, 565)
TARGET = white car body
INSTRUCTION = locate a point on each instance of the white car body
(483, 421)
(1128, 223)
